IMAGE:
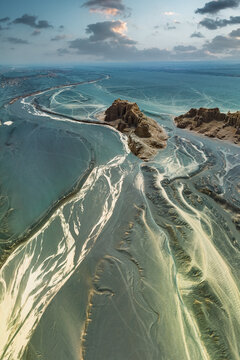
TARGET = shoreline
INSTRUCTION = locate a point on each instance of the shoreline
(13, 100)
(49, 112)
(42, 220)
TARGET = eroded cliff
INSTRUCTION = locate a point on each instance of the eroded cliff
(212, 123)
(145, 135)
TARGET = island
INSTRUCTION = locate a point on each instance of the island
(212, 123)
(145, 135)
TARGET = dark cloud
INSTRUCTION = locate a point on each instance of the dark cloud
(36, 33)
(182, 48)
(109, 4)
(222, 44)
(62, 52)
(61, 27)
(109, 30)
(120, 52)
(5, 19)
(31, 20)
(58, 37)
(235, 33)
(103, 43)
(14, 40)
(109, 7)
(152, 54)
(198, 54)
(116, 51)
(213, 7)
(197, 35)
(3, 28)
(107, 41)
(212, 24)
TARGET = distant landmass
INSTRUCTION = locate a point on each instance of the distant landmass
(212, 123)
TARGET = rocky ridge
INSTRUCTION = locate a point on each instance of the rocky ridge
(212, 123)
(145, 135)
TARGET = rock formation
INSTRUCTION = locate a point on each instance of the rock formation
(212, 123)
(145, 135)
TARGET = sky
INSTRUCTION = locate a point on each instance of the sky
(82, 31)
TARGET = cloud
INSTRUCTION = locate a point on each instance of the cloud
(182, 48)
(62, 52)
(109, 30)
(197, 54)
(116, 51)
(107, 7)
(212, 24)
(14, 40)
(58, 37)
(5, 19)
(107, 12)
(213, 7)
(223, 44)
(169, 13)
(170, 27)
(36, 33)
(105, 44)
(197, 35)
(235, 33)
(3, 28)
(108, 41)
(30, 20)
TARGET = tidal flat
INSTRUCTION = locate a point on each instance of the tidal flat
(102, 255)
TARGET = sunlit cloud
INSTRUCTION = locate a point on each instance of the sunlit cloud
(120, 28)
(107, 7)
(107, 12)
(169, 13)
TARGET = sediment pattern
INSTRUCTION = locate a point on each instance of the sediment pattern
(135, 261)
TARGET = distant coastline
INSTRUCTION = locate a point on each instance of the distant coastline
(13, 100)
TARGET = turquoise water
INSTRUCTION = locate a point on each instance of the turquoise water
(104, 256)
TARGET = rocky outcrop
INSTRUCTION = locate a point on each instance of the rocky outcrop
(212, 123)
(145, 135)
